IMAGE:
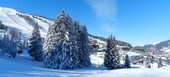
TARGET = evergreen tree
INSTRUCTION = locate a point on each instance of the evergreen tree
(111, 59)
(57, 50)
(50, 50)
(60, 46)
(66, 45)
(35, 44)
(78, 33)
(160, 62)
(13, 36)
(16, 35)
(147, 61)
(20, 46)
(83, 44)
(127, 61)
(85, 47)
(73, 42)
(12, 46)
(108, 60)
(8, 46)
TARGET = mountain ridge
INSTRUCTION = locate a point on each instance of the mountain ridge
(161, 46)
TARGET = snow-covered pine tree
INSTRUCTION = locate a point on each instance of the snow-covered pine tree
(16, 35)
(78, 33)
(160, 62)
(116, 59)
(74, 44)
(116, 53)
(147, 61)
(60, 44)
(8, 46)
(20, 46)
(127, 61)
(108, 60)
(35, 44)
(12, 49)
(56, 50)
(50, 50)
(85, 47)
(12, 36)
(111, 59)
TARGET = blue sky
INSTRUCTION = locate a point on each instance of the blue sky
(138, 22)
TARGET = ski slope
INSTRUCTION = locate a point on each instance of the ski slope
(10, 18)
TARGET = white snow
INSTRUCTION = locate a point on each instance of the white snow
(9, 18)
(24, 65)
(166, 49)
(136, 72)
(155, 43)
(99, 41)
(133, 54)
(45, 26)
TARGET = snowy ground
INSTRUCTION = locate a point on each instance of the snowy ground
(9, 68)
(136, 72)
(24, 65)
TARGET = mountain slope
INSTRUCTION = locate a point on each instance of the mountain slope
(9, 17)
(162, 46)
